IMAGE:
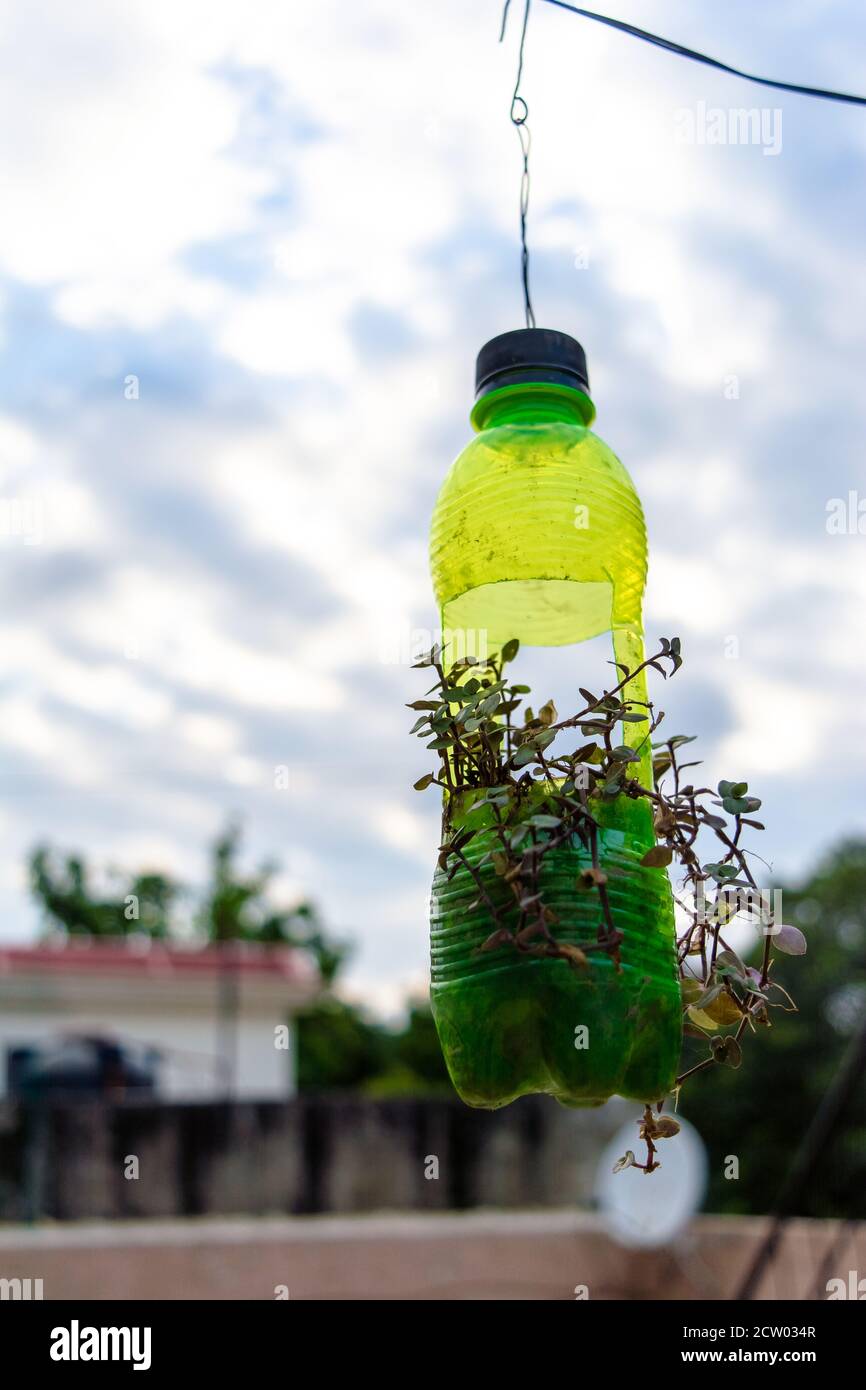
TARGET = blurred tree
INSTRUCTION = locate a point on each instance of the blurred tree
(417, 1047)
(759, 1113)
(63, 889)
(238, 908)
(339, 1047)
(234, 906)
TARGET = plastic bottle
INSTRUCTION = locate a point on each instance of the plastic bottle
(538, 534)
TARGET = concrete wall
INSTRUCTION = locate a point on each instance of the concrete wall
(478, 1255)
(322, 1154)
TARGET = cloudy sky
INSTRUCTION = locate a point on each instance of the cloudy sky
(247, 255)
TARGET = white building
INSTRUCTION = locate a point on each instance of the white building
(213, 1021)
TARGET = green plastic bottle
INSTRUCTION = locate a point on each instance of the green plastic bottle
(538, 534)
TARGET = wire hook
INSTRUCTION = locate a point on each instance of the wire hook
(519, 115)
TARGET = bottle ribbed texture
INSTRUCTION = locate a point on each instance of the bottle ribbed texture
(509, 511)
(640, 901)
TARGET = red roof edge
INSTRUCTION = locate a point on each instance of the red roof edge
(104, 957)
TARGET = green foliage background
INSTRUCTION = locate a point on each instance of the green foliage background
(759, 1112)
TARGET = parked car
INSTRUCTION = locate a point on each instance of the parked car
(81, 1068)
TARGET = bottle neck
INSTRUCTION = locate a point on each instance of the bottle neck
(532, 403)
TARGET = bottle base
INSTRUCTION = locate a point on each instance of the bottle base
(541, 1026)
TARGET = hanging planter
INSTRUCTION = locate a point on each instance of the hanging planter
(555, 964)
(538, 538)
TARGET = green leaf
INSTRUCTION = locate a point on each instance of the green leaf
(729, 963)
(463, 839)
(790, 941)
(429, 660)
(721, 1009)
(584, 753)
(547, 713)
(423, 782)
(701, 1019)
(721, 872)
(658, 857)
(726, 1051)
(691, 989)
(665, 1127)
(510, 650)
(524, 755)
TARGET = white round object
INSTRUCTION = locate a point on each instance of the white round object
(650, 1209)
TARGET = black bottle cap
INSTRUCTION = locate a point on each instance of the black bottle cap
(531, 354)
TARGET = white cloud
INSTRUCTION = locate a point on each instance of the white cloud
(403, 830)
(782, 728)
(124, 162)
(174, 626)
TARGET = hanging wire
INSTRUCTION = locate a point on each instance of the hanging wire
(519, 113)
(682, 52)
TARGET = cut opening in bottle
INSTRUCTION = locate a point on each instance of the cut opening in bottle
(567, 641)
(539, 612)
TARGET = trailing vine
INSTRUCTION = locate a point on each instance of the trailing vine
(502, 774)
